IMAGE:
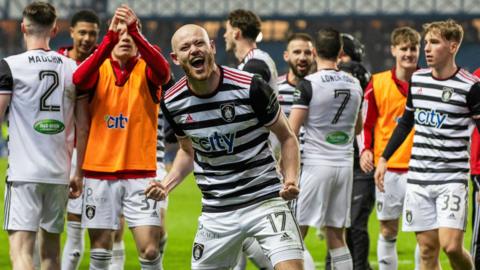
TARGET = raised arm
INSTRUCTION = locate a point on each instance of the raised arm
(158, 69)
(86, 75)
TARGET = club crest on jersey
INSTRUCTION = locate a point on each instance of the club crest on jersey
(447, 94)
(90, 211)
(409, 216)
(228, 112)
(198, 251)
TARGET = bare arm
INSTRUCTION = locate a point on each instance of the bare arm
(82, 128)
(4, 102)
(182, 166)
(290, 157)
(359, 124)
(296, 119)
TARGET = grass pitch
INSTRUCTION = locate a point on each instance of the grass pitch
(183, 211)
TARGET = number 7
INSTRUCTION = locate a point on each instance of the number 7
(346, 93)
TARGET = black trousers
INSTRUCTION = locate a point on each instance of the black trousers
(358, 240)
(475, 248)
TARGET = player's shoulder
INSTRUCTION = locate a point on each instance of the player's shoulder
(282, 79)
(467, 77)
(172, 92)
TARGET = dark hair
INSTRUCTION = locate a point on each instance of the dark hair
(300, 36)
(248, 22)
(328, 43)
(40, 13)
(85, 15)
(352, 47)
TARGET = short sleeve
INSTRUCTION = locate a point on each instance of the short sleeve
(6, 79)
(473, 99)
(258, 67)
(264, 101)
(176, 129)
(302, 94)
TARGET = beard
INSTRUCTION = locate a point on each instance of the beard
(300, 74)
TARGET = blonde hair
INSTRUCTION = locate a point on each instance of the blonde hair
(405, 35)
(449, 30)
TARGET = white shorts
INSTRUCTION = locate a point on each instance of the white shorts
(325, 196)
(74, 206)
(390, 202)
(105, 200)
(220, 236)
(30, 206)
(429, 207)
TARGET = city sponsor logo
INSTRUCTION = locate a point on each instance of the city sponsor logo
(49, 126)
(216, 142)
(430, 118)
(338, 137)
(116, 121)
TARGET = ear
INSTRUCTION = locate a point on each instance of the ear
(393, 50)
(454, 47)
(22, 26)
(237, 34)
(174, 59)
(71, 32)
(54, 31)
(285, 56)
(213, 46)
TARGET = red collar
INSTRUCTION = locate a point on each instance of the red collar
(401, 85)
(122, 74)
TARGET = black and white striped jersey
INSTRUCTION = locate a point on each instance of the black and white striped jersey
(285, 98)
(259, 62)
(443, 112)
(41, 115)
(233, 164)
(333, 99)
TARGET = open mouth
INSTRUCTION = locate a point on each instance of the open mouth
(197, 62)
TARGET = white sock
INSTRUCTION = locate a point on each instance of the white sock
(387, 253)
(154, 264)
(417, 257)
(74, 246)
(341, 258)
(241, 262)
(255, 253)
(100, 258)
(118, 256)
(308, 263)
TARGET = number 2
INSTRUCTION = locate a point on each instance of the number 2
(43, 100)
(346, 93)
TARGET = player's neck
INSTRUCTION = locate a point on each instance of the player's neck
(445, 71)
(76, 55)
(292, 78)
(205, 87)
(33, 43)
(326, 64)
(403, 74)
(242, 48)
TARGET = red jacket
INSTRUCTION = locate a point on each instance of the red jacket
(475, 146)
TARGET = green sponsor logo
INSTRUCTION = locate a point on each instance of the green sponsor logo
(337, 137)
(49, 126)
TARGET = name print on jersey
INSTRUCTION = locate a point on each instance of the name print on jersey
(116, 121)
(216, 142)
(430, 118)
